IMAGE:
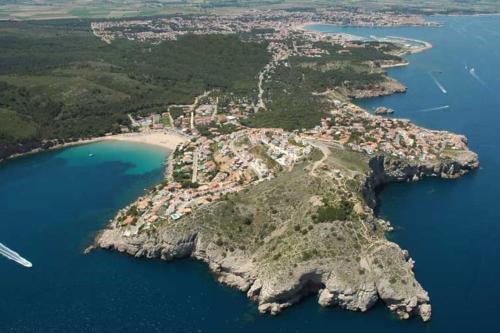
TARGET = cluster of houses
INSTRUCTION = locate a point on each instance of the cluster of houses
(353, 127)
(266, 24)
(203, 170)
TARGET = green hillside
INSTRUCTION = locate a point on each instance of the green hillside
(58, 77)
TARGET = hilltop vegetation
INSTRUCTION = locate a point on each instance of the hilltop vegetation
(294, 91)
(63, 82)
(15, 127)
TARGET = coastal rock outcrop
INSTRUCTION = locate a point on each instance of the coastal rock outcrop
(384, 88)
(381, 110)
(386, 169)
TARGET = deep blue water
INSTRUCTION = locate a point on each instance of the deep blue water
(52, 204)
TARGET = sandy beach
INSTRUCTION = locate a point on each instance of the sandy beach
(302, 26)
(168, 140)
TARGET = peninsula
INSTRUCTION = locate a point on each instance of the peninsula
(283, 215)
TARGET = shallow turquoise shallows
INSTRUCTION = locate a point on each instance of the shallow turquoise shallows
(52, 204)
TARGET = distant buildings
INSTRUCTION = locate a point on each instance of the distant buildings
(265, 25)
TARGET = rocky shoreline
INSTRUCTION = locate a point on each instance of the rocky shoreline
(354, 275)
(37, 147)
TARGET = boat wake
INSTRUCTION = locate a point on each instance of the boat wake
(13, 255)
(438, 84)
(473, 73)
(444, 107)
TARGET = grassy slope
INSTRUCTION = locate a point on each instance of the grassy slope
(275, 223)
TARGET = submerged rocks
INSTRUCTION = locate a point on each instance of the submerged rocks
(381, 110)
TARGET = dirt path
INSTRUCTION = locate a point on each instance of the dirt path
(326, 153)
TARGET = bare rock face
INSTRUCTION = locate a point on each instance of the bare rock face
(425, 312)
(309, 231)
(399, 289)
(349, 296)
(388, 169)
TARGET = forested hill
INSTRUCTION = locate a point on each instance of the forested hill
(57, 81)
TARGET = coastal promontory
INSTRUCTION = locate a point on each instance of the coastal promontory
(283, 215)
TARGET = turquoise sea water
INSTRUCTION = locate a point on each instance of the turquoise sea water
(51, 205)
